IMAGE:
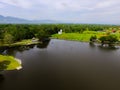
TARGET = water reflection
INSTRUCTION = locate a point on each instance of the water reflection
(1, 78)
(44, 44)
(103, 48)
(65, 65)
(12, 50)
(92, 45)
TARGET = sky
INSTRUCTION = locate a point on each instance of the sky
(73, 11)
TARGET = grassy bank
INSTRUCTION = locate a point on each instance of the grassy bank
(70, 36)
(22, 42)
(84, 37)
(9, 63)
(73, 36)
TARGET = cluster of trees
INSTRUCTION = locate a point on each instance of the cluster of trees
(68, 28)
(110, 40)
(10, 33)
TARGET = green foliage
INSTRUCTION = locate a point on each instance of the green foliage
(8, 38)
(25, 31)
(112, 38)
(41, 35)
(109, 39)
(93, 38)
(103, 38)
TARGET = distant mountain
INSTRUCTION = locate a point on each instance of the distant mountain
(14, 20)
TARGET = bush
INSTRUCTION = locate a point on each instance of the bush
(41, 35)
(8, 38)
(110, 40)
(93, 38)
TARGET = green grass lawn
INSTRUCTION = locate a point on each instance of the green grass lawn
(85, 36)
(26, 42)
(13, 62)
(73, 36)
(22, 42)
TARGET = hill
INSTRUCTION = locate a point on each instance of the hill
(15, 20)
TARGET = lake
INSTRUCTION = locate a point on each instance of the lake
(64, 65)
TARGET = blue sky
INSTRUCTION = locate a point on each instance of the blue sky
(75, 11)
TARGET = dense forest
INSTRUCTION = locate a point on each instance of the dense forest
(10, 33)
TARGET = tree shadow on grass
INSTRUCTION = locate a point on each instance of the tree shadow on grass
(4, 65)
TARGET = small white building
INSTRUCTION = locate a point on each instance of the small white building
(60, 32)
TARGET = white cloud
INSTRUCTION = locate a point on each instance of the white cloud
(74, 5)
(2, 5)
(107, 4)
(91, 10)
(17, 3)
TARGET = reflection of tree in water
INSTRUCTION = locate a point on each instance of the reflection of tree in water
(107, 48)
(1, 78)
(3, 66)
(103, 48)
(6, 50)
(92, 44)
(25, 47)
(12, 50)
(2, 49)
(44, 44)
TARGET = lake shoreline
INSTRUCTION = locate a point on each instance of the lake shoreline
(25, 42)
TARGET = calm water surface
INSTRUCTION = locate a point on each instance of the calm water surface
(65, 65)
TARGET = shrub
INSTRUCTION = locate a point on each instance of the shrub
(8, 38)
(93, 38)
(110, 40)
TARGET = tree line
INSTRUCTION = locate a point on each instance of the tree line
(10, 33)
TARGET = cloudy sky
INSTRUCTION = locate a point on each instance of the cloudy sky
(75, 11)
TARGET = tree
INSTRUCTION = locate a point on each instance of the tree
(42, 35)
(110, 40)
(93, 38)
(8, 38)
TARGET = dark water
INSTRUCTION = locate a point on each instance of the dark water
(65, 65)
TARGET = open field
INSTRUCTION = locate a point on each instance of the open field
(84, 37)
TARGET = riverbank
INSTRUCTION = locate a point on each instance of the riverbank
(73, 36)
(82, 37)
(22, 43)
